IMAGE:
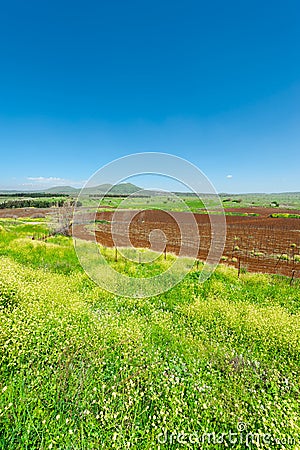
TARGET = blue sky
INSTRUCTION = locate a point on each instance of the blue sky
(217, 83)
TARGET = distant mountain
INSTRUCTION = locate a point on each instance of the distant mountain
(121, 189)
(129, 188)
(125, 188)
(61, 190)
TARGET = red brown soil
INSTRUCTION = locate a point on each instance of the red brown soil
(258, 244)
(24, 212)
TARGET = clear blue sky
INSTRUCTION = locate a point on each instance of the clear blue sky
(215, 82)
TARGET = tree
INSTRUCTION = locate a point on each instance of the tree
(275, 204)
(63, 218)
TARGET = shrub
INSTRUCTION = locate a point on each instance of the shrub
(274, 204)
(283, 257)
(8, 297)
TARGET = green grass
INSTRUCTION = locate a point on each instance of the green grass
(170, 202)
(285, 216)
(192, 203)
(55, 254)
(284, 200)
(173, 202)
(164, 202)
(84, 369)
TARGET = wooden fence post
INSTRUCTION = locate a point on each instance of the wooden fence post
(278, 260)
(293, 275)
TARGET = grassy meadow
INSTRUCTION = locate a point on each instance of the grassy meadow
(85, 369)
(181, 201)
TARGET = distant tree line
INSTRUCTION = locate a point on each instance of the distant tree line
(33, 194)
(27, 203)
(233, 200)
(118, 195)
(35, 203)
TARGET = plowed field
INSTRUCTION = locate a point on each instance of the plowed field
(258, 244)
